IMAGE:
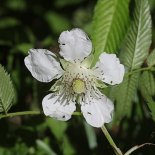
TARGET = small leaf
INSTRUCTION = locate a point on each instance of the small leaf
(151, 58)
(7, 93)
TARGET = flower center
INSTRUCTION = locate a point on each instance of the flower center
(78, 86)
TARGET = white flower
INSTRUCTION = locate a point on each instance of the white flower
(77, 81)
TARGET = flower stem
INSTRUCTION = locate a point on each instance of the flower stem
(112, 143)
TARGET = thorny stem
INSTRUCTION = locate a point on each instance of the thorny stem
(112, 143)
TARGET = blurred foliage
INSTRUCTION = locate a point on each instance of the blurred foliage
(37, 24)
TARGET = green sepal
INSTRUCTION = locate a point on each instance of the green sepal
(56, 86)
(87, 62)
(64, 63)
(100, 84)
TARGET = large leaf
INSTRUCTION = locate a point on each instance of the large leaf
(139, 37)
(109, 25)
(133, 54)
(7, 93)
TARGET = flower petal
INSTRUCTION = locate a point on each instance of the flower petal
(58, 108)
(43, 65)
(109, 69)
(97, 111)
(74, 45)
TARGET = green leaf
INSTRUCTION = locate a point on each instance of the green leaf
(151, 106)
(7, 93)
(67, 146)
(91, 136)
(151, 59)
(56, 22)
(147, 84)
(45, 147)
(147, 89)
(133, 54)
(58, 128)
(124, 95)
(24, 47)
(139, 37)
(110, 22)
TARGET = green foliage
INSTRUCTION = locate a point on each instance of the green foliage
(44, 148)
(7, 93)
(109, 25)
(139, 37)
(124, 102)
(24, 47)
(133, 54)
(151, 59)
(57, 128)
(8, 22)
(91, 136)
(56, 22)
(147, 88)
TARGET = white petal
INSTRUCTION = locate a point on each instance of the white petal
(43, 65)
(74, 45)
(55, 107)
(98, 111)
(109, 69)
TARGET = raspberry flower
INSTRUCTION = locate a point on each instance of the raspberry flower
(77, 82)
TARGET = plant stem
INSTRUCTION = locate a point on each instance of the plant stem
(20, 114)
(140, 69)
(137, 147)
(27, 113)
(112, 143)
